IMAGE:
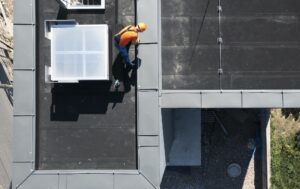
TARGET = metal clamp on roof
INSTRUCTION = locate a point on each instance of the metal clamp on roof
(220, 40)
(220, 71)
(219, 8)
(49, 23)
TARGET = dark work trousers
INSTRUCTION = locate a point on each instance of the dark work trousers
(123, 50)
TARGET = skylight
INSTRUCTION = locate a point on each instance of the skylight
(79, 52)
(84, 4)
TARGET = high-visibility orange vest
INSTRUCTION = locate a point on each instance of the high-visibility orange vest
(127, 35)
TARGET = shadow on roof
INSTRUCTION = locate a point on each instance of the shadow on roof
(71, 100)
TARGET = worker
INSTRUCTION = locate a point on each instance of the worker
(123, 40)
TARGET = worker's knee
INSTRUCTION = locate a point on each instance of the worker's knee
(116, 40)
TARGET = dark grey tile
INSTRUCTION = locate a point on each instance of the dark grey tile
(260, 49)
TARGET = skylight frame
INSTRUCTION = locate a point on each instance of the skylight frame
(84, 56)
(68, 5)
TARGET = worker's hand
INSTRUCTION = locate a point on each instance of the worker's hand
(136, 63)
(137, 41)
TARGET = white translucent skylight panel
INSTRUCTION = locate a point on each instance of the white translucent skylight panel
(94, 43)
(92, 67)
(68, 39)
(69, 66)
(79, 52)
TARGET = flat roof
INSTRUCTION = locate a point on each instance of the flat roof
(85, 125)
(260, 48)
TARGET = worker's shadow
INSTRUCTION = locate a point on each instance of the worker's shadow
(70, 100)
(127, 75)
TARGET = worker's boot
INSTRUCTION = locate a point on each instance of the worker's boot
(117, 84)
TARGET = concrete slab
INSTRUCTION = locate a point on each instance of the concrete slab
(148, 113)
(24, 92)
(147, 11)
(41, 181)
(267, 100)
(24, 12)
(62, 182)
(148, 141)
(131, 182)
(149, 164)
(24, 139)
(291, 99)
(221, 100)
(24, 47)
(171, 99)
(100, 181)
(21, 171)
(148, 73)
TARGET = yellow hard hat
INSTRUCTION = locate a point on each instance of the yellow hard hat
(141, 26)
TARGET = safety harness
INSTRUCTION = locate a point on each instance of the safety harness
(128, 29)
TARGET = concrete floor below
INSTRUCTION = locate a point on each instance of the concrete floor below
(239, 141)
(6, 112)
(182, 136)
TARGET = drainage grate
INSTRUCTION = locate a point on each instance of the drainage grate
(234, 170)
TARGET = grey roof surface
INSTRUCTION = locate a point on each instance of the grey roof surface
(260, 48)
(87, 125)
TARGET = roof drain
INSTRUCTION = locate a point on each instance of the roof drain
(234, 170)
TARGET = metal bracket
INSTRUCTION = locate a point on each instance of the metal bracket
(48, 73)
(220, 71)
(49, 23)
(219, 8)
(220, 40)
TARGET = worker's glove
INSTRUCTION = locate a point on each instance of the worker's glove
(133, 65)
(137, 42)
(136, 63)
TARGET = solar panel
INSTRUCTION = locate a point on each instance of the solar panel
(79, 52)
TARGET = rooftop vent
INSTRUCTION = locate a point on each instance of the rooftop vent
(83, 4)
